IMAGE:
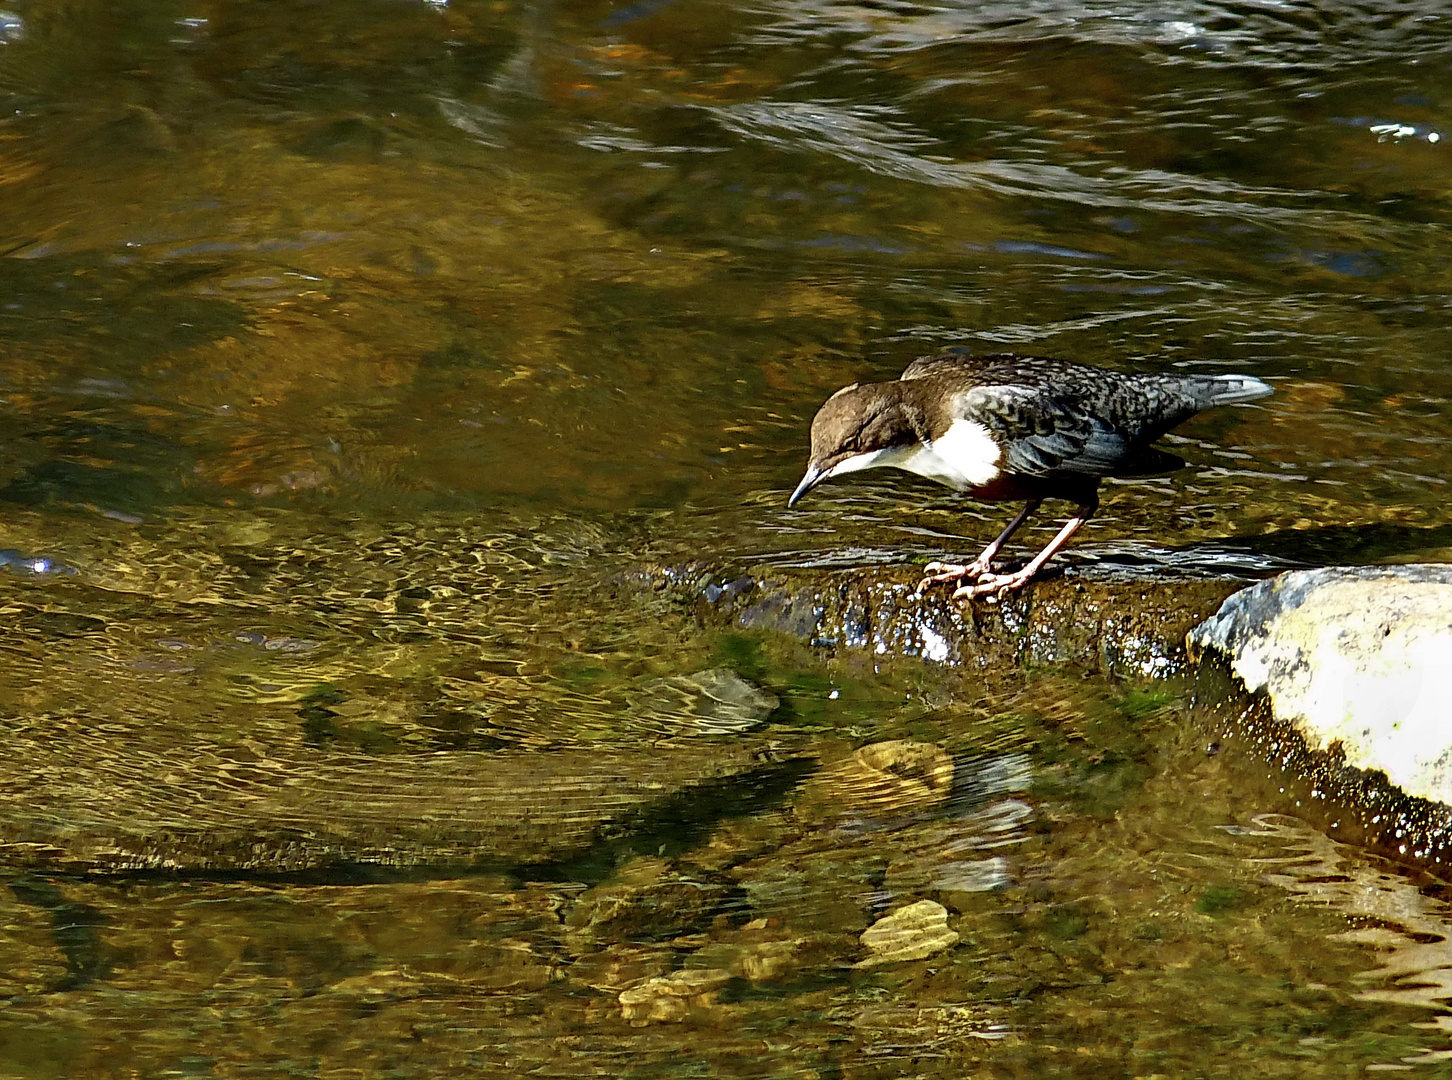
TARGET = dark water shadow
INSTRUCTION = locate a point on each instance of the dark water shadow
(75, 928)
(1333, 545)
(669, 828)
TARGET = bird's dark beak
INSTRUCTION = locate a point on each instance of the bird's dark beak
(814, 477)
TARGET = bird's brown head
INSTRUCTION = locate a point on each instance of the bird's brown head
(855, 429)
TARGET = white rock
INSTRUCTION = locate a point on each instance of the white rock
(911, 933)
(1358, 655)
(668, 998)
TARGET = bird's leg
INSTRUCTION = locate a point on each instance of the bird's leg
(996, 584)
(939, 572)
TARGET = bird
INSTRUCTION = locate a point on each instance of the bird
(1011, 427)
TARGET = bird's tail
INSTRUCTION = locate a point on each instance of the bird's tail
(1211, 390)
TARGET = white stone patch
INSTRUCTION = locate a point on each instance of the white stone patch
(1361, 656)
(912, 933)
(935, 646)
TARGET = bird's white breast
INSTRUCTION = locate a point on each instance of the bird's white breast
(964, 456)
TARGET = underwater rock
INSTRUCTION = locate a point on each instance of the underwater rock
(781, 959)
(714, 702)
(623, 964)
(803, 891)
(647, 900)
(667, 998)
(1356, 659)
(895, 776)
(767, 951)
(911, 933)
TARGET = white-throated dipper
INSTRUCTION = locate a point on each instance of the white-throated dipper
(1011, 427)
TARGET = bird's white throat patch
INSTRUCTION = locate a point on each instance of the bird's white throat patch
(964, 456)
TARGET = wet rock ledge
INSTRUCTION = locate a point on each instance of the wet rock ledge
(1117, 621)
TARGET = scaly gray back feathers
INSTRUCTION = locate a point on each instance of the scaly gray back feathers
(1055, 417)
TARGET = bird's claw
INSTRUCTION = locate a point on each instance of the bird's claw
(939, 573)
(993, 585)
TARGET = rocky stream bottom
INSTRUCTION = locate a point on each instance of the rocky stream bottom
(449, 816)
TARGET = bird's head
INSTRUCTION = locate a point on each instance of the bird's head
(858, 427)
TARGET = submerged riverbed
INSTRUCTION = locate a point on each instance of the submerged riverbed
(398, 401)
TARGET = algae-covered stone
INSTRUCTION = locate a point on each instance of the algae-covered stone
(1107, 618)
(822, 890)
(912, 933)
(771, 961)
(714, 702)
(1356, 656)
(647, 901)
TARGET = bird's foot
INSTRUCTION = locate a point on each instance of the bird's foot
(993, 585)
(940, 573)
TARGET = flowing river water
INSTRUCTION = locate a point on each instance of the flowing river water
(390, 392)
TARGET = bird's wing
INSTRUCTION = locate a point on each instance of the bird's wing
(1044, 433)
